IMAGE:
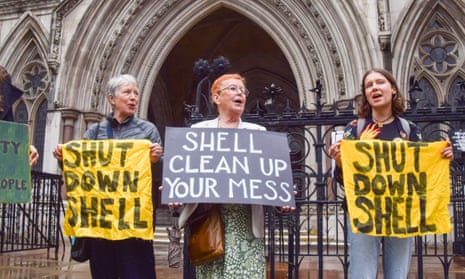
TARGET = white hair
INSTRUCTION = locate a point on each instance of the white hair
(116, 82)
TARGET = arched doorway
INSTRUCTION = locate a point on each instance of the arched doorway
(249, 49)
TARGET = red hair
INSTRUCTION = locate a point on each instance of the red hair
(215, 89)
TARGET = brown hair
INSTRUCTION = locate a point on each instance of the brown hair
(398, 106)
(215, 89)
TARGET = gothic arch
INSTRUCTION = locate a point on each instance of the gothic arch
(430, 93)
(418, 22)
(25, 52)
(134, 38)
(454, 92)
(346, 39)
(24, 41)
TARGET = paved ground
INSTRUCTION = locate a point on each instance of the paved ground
(37, 264)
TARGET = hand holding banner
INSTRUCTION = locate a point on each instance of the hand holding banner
(109, 188)
(227, 166)
(15, 171)
(396, 188)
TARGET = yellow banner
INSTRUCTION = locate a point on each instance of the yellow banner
(109, 188)
(396, 188)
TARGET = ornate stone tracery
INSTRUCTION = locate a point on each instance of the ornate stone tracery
(35, 78)
(439, 52)
(440, 61)
(384, 22)
(143, 34)
(57, 31)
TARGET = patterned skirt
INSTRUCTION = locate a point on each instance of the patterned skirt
(244, 255)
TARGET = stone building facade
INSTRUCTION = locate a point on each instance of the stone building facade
(62, 53)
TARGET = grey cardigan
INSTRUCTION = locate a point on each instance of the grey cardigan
(258, 218)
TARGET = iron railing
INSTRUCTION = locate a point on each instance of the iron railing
(34, 225)
(317, 228)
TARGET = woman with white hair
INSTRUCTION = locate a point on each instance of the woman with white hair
(130, 258)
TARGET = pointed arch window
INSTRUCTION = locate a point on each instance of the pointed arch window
(21, 115)
(39, 131)
(456, 94)
(427, 97)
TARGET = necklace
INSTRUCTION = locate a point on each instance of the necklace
(380, 123)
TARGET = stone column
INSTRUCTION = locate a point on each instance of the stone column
(69, 117)
(91, 118)
(384, 39)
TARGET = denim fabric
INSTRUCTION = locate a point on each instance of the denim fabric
(364, 253)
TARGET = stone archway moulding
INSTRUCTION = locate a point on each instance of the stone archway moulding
(129, 40)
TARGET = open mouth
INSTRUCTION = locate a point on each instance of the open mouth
(376, 96)
(238, 101)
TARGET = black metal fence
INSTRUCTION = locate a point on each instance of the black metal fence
(34, 225)
(317, 228)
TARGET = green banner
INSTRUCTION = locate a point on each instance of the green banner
(15, 172)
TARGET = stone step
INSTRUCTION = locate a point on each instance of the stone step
(161, 237)
(161, 234)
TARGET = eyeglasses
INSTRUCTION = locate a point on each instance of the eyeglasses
(234, 89)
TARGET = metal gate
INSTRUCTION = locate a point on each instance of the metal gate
(316, 229)
(34, 225)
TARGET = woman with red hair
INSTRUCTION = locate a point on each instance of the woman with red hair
(243, 224)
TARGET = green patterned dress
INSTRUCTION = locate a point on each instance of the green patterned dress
(244, 254)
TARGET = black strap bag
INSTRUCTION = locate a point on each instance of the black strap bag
(80, 249)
